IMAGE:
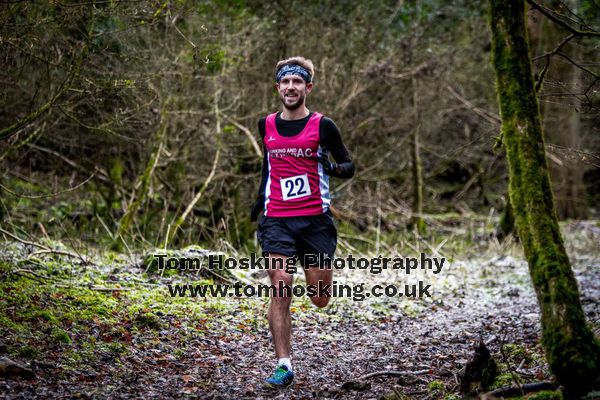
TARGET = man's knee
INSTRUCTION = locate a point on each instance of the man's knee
(282, 282)
(281, 289)
(320, 301)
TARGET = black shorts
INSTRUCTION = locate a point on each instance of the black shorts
(311, 238)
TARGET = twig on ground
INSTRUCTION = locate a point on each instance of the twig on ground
(36, 262)
(394, 373)
(22, 272)
(414, 392)
(23, 241)
(59, 252)
(44, 249)
(510, 391)
(220, 276)
(95, 288)
(509, 366)
(108, 289)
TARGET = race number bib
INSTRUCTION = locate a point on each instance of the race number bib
(295, 187)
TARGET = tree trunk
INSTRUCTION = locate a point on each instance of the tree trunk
(417, 169)
(571, 349)
(143, 184)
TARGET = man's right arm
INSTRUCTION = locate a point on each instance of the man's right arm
(265, 163)
(260, 201)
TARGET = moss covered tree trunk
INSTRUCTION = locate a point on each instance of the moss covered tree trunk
(571, 349)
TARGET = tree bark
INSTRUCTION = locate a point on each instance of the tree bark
(417, 169)
(571, 349)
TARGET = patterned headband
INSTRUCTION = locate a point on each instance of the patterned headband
(293, 69)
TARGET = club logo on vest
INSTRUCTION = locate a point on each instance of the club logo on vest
(291, 152)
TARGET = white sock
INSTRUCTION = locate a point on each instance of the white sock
(285, 361)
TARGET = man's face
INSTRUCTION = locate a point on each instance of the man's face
(292, 91)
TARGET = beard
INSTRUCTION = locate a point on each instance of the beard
(295, 105)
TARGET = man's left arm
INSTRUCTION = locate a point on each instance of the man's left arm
(331, 138)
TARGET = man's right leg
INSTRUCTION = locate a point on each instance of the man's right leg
(278, 243)
(280, 320)
(279, 316)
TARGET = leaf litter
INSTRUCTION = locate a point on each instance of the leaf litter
(80, 342)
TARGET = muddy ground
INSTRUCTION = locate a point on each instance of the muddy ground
(61, 320)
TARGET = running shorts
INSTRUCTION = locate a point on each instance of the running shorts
(311, 238)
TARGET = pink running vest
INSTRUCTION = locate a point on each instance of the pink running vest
(297, 185)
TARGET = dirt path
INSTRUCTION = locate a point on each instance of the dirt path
(225, 351)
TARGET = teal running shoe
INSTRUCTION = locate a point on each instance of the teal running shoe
(282, 377)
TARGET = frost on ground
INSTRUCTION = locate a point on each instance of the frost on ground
(110, 328)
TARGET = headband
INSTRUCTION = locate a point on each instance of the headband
(293, 69)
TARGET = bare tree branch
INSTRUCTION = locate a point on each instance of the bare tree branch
(557, 48)
(247, 132)
(66, 84)
(486, 115)
(563, 55)
(43, 196)
(551, 16)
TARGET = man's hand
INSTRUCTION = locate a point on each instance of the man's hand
(258, 206)
(328, 167)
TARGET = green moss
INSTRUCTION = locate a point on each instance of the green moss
(45, 315)
(517, 353)
(116, 348)
(546, 395)
(436, 386)
(149, 320)
(8, 323)
(452, 397)
(86, 304)
(170, 272)
(39, 315)
(60, 336)
(394, 396)
(179, 352)
(115, 170)
(502, 380)
(28, 352)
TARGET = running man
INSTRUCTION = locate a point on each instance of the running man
(294, 195)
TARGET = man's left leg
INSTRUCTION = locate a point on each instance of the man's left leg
(315, 252)
(320, 277)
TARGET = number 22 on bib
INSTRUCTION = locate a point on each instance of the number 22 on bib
(295, 187)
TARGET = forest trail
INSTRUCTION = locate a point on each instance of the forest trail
(141, 343)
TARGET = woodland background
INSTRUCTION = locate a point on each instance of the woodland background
(111, 89)
(131, 126)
